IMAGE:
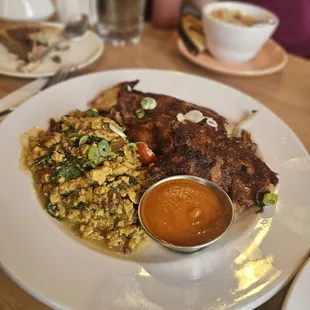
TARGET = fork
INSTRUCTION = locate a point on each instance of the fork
(63, 73)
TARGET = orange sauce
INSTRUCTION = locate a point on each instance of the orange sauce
(184, 213)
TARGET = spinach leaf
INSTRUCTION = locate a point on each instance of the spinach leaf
(66, 194)
(80, 206)
(120, 153)
(42, 159)
(95, 139)
(91, 113)
(121, 186)
(70, 170)
(132, 181)
(53, 211)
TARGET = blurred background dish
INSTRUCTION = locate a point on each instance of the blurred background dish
(270, 59)
(26, 10)
(82, 52)
(233, 42)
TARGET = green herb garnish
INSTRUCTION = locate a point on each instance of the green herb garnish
(94, 155)
(80, 206)
(104, 148)
(120, 153)
(83, 140)
(270, 199)
(132, 181)
(42, 159)
(140, 113)
(70, 170)
(91, 113)
(95, 139)
(53, 211)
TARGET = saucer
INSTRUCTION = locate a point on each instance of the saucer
(270, 59)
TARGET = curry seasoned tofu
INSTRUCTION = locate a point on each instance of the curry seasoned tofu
(91, 177)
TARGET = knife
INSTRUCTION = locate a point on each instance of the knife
(20, 95)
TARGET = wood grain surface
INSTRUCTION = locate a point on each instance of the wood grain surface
(286, 93)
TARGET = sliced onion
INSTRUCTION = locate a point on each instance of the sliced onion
(194, 116)
(148, 103)
(211, 122)
(116, 130)
(180, 117)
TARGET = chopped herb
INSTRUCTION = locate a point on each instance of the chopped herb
(270, 199)
(53, 211)
(121, 186)
(148, 103)
(84, 163)
(132, 181)
(91, 113)
(132, 145)
(66, 194)
(112, 213)
(80, 206)
(83, 140)
(42, 159)
(104, 148)
(95, 139)
(73, 135)
(140, 113)
(120, 153)
(70, 170)
(94, 155)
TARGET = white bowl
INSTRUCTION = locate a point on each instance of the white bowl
(26, 10)
(232, 43)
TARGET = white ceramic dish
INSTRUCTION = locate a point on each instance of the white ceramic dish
(270, 59)
(83, 52)
(232, 43)
(26, 10)
(298, 296)
(252, 262)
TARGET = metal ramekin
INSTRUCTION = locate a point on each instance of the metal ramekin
(226, 201)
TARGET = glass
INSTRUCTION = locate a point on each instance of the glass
(120, 21)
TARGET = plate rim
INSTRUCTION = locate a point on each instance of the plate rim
(291, 291)
(258, 301)
(233, 72)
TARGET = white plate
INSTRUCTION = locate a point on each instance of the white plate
(298, 296)
(83, 52)
(252, 262)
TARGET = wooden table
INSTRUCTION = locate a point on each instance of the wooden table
(286, 93)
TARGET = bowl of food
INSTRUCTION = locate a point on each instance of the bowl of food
(236, 31)
(185, 213)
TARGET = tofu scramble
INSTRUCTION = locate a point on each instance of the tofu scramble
(90, 177)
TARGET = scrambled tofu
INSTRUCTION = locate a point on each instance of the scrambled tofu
(91, 178)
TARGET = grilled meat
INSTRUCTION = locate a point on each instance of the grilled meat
(190, 148)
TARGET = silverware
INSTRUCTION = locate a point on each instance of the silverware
(74, 28)
(221, 194)
(63, 73)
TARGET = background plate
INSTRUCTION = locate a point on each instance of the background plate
(270, 59)
(85, 51)
(252, 262)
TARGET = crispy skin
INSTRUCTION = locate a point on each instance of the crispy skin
(156, 127)
(194, 149)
